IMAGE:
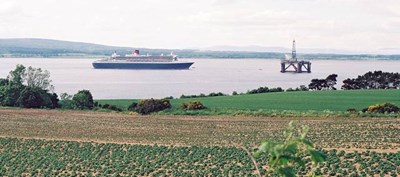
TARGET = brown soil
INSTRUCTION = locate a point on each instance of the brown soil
(344, 133)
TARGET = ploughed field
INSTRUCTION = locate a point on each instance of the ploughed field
(53, 142)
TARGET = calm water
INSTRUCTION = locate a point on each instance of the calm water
(205, 76)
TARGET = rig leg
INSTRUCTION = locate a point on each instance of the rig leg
(283, 68)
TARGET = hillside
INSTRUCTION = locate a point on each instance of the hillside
(48, 47)
(35, 47)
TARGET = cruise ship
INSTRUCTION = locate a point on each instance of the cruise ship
(137, 61)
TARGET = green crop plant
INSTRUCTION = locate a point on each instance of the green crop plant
(284, 157)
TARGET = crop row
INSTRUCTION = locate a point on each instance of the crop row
(61, 158)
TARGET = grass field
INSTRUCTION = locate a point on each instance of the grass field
(339, 100)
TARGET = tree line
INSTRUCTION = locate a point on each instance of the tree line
(30, 87)
(369, 80)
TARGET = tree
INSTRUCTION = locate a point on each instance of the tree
(83, 100)
(317, 84)
(27, 87)
(373, 80)
(11, 88)
(66, 101)
(324, 84)
(3, 82)
(37, 78)
(10, 94)
(16, 76)
(34, 98)
(331, 81)
(54, 101)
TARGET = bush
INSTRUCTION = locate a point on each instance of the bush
(216, 94)
(383, 108)
(111, 107)
(193, 105)
(66, 101)
(132, 107)
(114, 108)
(148, 106)
(264, 90)
(351, 110)
(34, 98)
(83, 100)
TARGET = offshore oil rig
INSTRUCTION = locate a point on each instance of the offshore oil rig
(292, 62)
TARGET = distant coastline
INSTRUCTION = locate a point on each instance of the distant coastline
(47, 48)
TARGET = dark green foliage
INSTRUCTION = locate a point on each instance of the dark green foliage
(324, 84)
(54, 101)
(16, 76)
(83, 100)
(351, 110)
(111, 107)
(35, 98)
(264, 90)
(66, 101)
(193, 105)
(132, 107)
(148, 106)
(234, 93)
(373, 80)
(383, 108)
(212, 94)
(169, 98)
(216, 94)
(35, 94)
(3, 82)
(10, 94)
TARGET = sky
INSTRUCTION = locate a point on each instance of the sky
(365, 26)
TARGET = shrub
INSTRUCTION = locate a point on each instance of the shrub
(264, 90)
(383, 108)
(83, 100)
(114, 108)
(111, 107)
(34, 98)
(169, 98)
(290, 89)
(148, 106)
(216, 94)
(132, 107)
(54, 101)
(66, 101)
(234, 93)
(193, 105)
(351, 110)
(105, 106)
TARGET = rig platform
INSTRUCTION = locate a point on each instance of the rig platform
(287, 64)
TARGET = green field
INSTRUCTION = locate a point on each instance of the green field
(339, 100)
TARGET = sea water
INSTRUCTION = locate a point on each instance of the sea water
(205, 76)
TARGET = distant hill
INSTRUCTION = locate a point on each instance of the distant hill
(35, 47)
(53, 48)
(256, 48)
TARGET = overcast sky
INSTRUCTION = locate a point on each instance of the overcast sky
(358, 25)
